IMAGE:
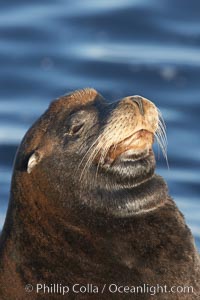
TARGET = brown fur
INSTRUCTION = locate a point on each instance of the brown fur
(48, 239)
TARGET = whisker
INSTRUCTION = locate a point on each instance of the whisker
(99, 145)
(102, 158)
(161, 136)
(162, 130)
(161, 118)
(163, 148)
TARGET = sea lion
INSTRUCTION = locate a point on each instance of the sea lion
(88, 218)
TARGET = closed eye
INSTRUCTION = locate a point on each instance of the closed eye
(76, 128)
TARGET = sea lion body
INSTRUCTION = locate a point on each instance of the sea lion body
(86, 208)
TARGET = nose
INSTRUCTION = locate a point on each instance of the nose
(138, 101)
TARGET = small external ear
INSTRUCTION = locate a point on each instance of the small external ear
(33, 161)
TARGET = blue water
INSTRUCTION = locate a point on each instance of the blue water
(119, 47)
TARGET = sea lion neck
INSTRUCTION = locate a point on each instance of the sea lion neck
(125, 202)
(46, 222)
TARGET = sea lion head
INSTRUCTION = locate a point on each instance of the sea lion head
(87, 152)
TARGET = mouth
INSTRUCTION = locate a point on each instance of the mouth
(133, 148)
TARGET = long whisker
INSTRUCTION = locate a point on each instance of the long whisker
(102, 146)
(163, 131)
(161, 136)
(102, 158)
(162, 146)
(96, 146)
(161, 118)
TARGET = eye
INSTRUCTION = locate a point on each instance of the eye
(76, 128)
(76, 122)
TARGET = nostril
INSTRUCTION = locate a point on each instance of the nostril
(138, 101)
